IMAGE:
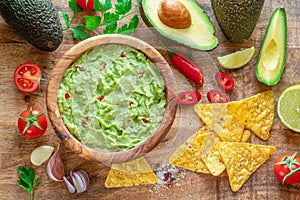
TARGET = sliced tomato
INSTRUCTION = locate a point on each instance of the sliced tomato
(216, 96)
(224, 80)
(86, 4)
(27, 77)
(32, 123)
(287, 168)
(189, 98)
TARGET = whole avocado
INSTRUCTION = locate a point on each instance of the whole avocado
(36, 21)
(237, 18)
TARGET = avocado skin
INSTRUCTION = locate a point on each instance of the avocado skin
(36, 21)
(237, 18)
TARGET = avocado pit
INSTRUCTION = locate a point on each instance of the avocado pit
(174, 14)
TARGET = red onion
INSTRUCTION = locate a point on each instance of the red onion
(78, 183)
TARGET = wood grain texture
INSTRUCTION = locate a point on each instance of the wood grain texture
(15, 150)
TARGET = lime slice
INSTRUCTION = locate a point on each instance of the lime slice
(237, 59)
(288, 107)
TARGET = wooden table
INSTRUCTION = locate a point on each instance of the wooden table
(15, 149)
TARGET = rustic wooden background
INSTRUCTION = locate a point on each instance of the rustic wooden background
(15, 149)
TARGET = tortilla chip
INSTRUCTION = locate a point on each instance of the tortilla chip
(133, 173)
(187, 155)
(243, 159)
(245, 135)
(210, 155)
(256, 112)
(224, 124)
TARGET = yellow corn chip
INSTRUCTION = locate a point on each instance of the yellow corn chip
(256, 112)
(187, 155)
(224, 124)
(133, 173)
(243, 159)
(245, 136)
(211, 156)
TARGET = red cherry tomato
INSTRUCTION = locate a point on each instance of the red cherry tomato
(189, 98)
(225, 81)
(287, 168)
(216, 96)
(32, 123)
(86, 4)
(27, 77)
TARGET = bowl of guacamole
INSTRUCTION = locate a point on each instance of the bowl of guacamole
(112, 98)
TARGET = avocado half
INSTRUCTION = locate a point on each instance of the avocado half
(200, 35)
(271, 57)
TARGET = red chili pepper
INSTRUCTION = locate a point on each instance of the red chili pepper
(189, 98)
(224, 80)
(187, 67)
(216, 96)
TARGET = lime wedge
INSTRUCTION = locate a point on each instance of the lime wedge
(288, 107)
(237, 59)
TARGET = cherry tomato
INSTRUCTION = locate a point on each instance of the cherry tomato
(287, 168)
(224, 80)
(189, 98)
(32, 123)
(216, 96)
(86, 4)
(27, 77)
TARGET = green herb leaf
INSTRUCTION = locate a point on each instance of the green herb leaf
(65, 16)
(128, 29)
(110, 19)
(92, 22)
(139, 1)
(74, 6)
(102, 5)
(79, 33)
(27, 182)
(123, 6)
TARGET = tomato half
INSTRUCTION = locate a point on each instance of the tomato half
(27, 77)
(224, 80)
(86, 4)
(189, 98)
(216, 96)
(32, 123)
(287, 168)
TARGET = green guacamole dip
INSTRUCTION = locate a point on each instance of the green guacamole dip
(112, 98)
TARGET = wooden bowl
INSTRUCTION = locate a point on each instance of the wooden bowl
(102, 156)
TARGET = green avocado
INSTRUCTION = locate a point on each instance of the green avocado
(36, 21)
(272, 53)
(237, 18)
(199, 35)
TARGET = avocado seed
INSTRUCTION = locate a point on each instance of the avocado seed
(174, 14)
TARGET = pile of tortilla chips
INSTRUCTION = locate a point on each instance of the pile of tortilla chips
(221, 143)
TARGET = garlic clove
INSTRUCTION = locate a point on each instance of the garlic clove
(41, 154)
(69, 185)
(55, 167)
(79, 183)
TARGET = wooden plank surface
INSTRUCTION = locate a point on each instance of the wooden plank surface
(15, 149)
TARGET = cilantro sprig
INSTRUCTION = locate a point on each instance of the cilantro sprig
(27, 181)
(107, 15)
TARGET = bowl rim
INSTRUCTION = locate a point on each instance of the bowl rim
(73, 143)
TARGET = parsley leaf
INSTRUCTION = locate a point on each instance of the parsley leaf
(123, 6)
(79, 33)
(74, 6)
(92, 22)
(128, 29)
(27, 181)
(102, 5)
